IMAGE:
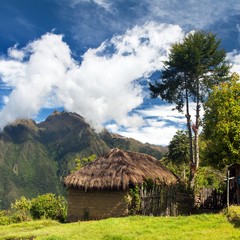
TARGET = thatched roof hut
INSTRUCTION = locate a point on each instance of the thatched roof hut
(99, 189)
(118, 171)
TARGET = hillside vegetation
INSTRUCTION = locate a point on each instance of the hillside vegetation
(34, 158)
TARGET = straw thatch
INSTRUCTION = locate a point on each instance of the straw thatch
(119, 170)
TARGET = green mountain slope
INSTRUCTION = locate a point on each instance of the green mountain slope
(26, 168)
(116, 140)
(35, 157)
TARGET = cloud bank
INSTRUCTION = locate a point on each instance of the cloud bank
(101, 88)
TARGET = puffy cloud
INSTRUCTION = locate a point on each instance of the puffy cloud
(15, 53)
(33, 80)
(101, 88)
(160, 124)
(201, 14)
(234, 58)
(157, 134)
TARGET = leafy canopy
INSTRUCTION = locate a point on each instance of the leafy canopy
(178, 148)
(195, 65)
(221, 123)
(79, 163)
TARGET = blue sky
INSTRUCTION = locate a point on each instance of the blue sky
(95, 57)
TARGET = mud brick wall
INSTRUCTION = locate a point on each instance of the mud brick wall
(95, 204)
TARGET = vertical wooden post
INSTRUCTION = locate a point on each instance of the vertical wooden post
(228, 173)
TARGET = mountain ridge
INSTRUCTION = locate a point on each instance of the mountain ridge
(34, 157)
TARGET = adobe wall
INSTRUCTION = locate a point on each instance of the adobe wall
(95, 205)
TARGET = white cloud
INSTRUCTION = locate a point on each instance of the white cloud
(100, 88)
(164, 113)
(103, 3)
(197, 14)
(106, 4)
(160, 124)
(238, 28)
(155, 133)
(234, 58)
(15, 53)
(33, 80)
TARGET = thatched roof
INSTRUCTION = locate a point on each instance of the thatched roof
(119, 170)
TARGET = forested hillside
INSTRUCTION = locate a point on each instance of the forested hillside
(35, 157)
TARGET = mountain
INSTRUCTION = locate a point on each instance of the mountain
(116, 140)
(34, 157)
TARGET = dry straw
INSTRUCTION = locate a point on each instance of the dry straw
(118, 171)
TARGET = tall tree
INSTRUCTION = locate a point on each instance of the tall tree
(221, 123)
(178, 148)
(178, 152)
(194, 66)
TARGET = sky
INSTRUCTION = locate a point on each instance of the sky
(96, 57)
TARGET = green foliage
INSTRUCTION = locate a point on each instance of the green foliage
(5, 218)
(210, 178)
(21, 209)
(221, 124)
(233, 214)
(79, 163)
(35, 157)
(181, 170)
(49, 206)
(178, 148)
(177, 157)
(194, 66)
(134, 201)
(27, 170)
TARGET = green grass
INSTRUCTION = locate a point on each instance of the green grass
(205, 226)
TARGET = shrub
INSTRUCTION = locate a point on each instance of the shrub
(233, 214)
(21, 209)
(5, 219)
(133, 200)
(49, 206)
(210, 178)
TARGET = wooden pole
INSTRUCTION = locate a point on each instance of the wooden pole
(228, 173)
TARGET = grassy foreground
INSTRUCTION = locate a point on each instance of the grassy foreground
(206, 226)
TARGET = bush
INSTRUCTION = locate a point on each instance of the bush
(21, 209)
(134, 201)
(5, 219)
(44, 206)
(49, 206)
(233, 214)
(210, 178)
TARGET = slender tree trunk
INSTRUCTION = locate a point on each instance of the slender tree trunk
(191, 163)
(196, 129)
(196, 137)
